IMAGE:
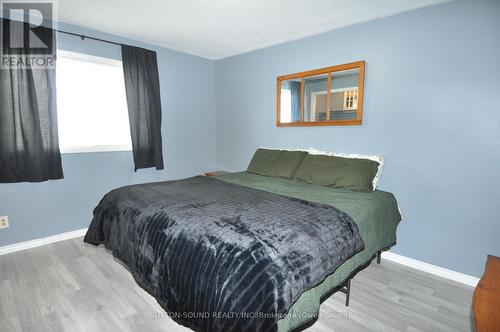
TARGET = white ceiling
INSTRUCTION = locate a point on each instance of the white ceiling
(216, 29)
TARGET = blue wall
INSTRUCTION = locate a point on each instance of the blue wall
(432, 109)
(41, 209)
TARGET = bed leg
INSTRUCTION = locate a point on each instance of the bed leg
(348, 292)
(379, 256)
(346, 289)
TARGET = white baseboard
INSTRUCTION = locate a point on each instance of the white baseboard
(419, 265)
(432, 269)
(42, 241)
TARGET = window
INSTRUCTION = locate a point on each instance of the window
(286, 102)
(351, 99)
(91, 104)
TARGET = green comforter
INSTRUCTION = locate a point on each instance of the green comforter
(376, 214)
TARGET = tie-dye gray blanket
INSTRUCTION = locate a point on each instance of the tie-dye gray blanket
(219, 256)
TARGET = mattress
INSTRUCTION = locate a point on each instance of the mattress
(375, 213)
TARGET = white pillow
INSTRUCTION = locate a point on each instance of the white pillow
(378, 159)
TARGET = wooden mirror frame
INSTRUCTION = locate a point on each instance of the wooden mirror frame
(327, 70)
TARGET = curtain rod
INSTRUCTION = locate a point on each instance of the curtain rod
(82, 36)
(88, 37)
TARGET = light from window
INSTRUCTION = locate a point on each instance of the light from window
(286, 104)
(91, 104)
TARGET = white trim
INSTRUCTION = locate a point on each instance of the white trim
(432, 269)
(41, 242)
(89, 58)
(403, 260)
(100, 148)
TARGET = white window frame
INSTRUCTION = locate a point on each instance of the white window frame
(98, 148)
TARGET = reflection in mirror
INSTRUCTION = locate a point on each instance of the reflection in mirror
(290, 101)
(344, 95)
(315, 97)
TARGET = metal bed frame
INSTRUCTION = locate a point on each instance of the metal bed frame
(346, 285)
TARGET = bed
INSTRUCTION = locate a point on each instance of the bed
(375, 213)
(371, 217)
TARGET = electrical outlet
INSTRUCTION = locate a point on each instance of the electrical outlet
(4, 222)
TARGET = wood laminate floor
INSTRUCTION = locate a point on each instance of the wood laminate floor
(72, 286)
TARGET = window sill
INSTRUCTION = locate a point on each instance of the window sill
(90, 149)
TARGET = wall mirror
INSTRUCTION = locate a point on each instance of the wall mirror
(331, 96)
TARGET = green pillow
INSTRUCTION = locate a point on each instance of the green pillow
(277, 163)
(345, 173)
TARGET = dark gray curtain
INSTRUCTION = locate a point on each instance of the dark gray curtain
(142, 86)
(295, 93)
(29, 144)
